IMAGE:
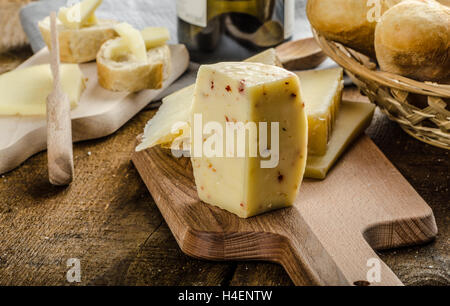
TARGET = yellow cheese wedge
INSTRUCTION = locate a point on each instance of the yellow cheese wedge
(132, 41)
(248, 93)
(322, 92)
(80, 15)
(25, 91)
(155, 36)
(176, 107)
(352, 120)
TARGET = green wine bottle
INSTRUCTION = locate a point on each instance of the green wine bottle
(216, 30)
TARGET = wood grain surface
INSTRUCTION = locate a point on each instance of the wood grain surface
(108, 219)
(301, 54)
(325, 239)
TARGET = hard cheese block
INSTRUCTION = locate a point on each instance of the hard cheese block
(249, 93)
(177, 107)
(352, 120)
(25, 91)
(322, 92)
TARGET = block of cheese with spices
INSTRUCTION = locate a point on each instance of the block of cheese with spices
(253, 174)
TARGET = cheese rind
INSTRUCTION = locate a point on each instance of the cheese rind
(322, 92)
(177, 107)
(155, 36)
(80, 14)
(250, 93)
(25, 91)
(352, 120)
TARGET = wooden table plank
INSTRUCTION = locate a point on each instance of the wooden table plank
(427, 169)
(106, 218)
(160, 262)
(11, 33)
(260, 274)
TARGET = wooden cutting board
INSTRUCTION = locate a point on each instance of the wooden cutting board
(99, 113)
(327, 238)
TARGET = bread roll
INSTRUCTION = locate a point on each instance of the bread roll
(123, 74)
(347, 21)
(79, 45)
(413, 39)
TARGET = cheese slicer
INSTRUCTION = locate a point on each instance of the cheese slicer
(59, 126)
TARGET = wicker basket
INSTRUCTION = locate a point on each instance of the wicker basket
(419, 107)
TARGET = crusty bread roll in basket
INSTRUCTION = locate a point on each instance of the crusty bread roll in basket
(421, 108)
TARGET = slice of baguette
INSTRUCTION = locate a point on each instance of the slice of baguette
(79, 45)
(123, 74)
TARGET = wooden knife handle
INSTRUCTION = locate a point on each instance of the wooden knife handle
(59, 140)
(59, 125)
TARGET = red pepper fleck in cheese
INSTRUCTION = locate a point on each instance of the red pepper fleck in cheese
(268, 96)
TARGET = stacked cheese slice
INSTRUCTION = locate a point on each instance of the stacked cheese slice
(322, 91)
(332, 125)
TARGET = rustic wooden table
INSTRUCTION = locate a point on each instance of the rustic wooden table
(109, 221)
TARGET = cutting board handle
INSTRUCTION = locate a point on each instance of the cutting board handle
(354, 262)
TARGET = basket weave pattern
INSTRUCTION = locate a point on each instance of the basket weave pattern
(421, 108)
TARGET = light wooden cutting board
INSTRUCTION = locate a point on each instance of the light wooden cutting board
(100, 112)
(327, 238)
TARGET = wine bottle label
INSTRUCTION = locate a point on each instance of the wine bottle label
(193, 11)
(289, 18)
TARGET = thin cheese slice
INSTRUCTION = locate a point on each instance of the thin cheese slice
(352, 120)
(163, 128)
(176, 107)
(248, 93)
(79, 15)
(25, 91)
(155, 36)
(132, 41)
(322, 91)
